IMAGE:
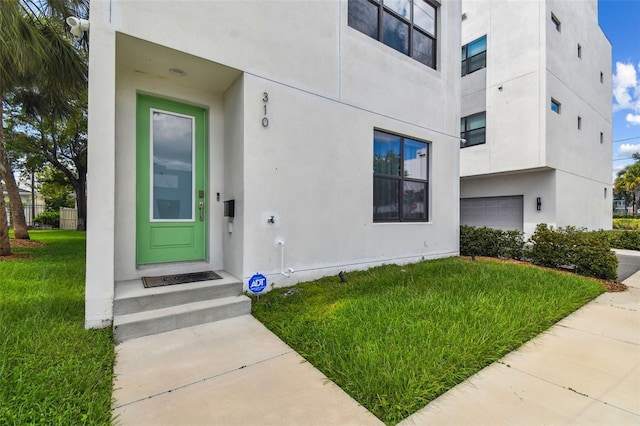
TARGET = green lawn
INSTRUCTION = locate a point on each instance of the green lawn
(52, 370)
(395, 337)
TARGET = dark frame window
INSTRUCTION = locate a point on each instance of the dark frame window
(555, 106)
(473, 129)
(474, 55)
(579, 51)
(400, 178)
(579, 123)
(408, 26)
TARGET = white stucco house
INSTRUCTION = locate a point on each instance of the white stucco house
(536, 115)
(295, 139)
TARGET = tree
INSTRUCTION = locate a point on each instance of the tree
(55, 188)
(35, 52)
(627, 183)
(60, 139)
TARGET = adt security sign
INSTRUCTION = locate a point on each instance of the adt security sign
(257, 283)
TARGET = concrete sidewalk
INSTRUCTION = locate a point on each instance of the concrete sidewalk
(584, 370)
(231, 372)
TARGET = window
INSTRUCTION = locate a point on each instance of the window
(474, 56)
(579, 122)
(400, 178)
(555, 106)
(601, 77)
(556, 22)
(601, 137)
(579, 51)
(473, 129)
(408, 26)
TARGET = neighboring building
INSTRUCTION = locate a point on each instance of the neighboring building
(536, 115)
(284, 107)
(31, 209)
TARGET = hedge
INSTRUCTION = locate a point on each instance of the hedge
(586, 253)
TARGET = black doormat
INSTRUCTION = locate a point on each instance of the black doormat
(179, 279)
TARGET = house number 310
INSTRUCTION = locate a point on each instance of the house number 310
(265, 100)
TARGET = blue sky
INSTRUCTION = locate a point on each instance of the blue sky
(620, 21)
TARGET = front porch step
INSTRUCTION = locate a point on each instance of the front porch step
(132, 325)
(132, 296)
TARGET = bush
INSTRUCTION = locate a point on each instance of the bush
(48, 219)
(626, 223)
(629, 240)
(587, 253)
(491, 242)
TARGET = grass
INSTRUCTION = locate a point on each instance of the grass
(52, 370)
(395, 338)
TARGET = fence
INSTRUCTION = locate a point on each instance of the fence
(68, 218)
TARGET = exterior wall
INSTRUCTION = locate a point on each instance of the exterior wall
(328, 88)
(528, 63)
(530, 185)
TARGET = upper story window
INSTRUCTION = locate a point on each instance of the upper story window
(556, 22)
(601, 77)
(473, 129)
(579, 51)
(474, 55)
(579, 123)
(555, 106)
(400, 178)
(409, 26)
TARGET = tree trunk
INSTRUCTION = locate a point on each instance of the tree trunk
(81, 201)
(5, 246)
(17, 210)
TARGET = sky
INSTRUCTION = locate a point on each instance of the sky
(620, 21)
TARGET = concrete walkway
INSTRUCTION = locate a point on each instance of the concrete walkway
(584, 370)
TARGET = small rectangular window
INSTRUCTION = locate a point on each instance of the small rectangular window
(601, 137)
(579, 51)
(400, 178)
(601, 77)
(605, 193)
(474, 55)
(473, 129)
(556, 22)
(579, 122)
(555, 106)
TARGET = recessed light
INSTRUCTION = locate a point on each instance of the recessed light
(177, 72)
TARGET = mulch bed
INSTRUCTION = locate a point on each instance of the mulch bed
(610, 286)
(21, 243)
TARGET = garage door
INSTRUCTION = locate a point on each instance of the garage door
(495, 212)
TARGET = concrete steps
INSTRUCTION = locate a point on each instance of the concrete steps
(140, 311)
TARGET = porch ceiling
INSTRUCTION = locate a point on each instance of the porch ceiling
(134, 54)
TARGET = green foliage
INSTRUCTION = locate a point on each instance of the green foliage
(626, 223)
(397, 337)
(48, 218)
(491, 242)
(52, 370)
(588, 253)
(629, 240)
(55, 188)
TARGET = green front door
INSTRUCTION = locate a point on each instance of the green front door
(171, 207)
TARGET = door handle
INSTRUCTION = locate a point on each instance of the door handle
(201, 206)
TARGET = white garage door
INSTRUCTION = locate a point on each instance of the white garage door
(495, 212)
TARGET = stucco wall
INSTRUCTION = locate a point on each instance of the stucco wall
(329, 87)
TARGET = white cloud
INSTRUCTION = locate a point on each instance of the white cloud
(626, 91)
(633, 118)
(627, 148)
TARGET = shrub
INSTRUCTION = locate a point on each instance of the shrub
(629, 240)
(491, 242)
(587, 253)
(626, 223)
(48, 218)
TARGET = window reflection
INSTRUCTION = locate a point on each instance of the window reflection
(395, 33)
(172, 180)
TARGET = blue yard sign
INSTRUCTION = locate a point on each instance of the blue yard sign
(257, 283)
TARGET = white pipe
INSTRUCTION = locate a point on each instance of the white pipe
(290, 270)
